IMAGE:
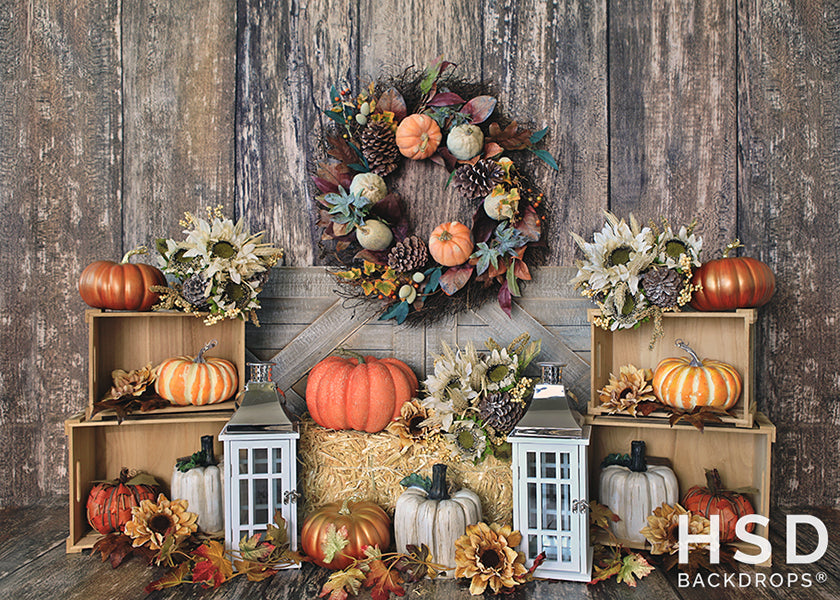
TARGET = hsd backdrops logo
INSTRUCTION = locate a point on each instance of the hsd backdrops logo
(758, 579)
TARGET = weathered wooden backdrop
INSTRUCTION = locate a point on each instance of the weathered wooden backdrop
(116, 117)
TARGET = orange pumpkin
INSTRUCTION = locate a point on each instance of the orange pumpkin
(715, 500)
(185, 380)
(361, 393)
(109, 503)
(690, 382)
(451, 244)
(120, 286)
(418, 136)
(366, 523)
(733, 282)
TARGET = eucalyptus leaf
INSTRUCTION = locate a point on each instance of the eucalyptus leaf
(546, 158)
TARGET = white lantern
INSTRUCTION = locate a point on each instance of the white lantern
(550, 483)
(260, 444)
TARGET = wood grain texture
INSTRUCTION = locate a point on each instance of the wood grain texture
(178, 64)
(789, 159)
(60, 167)
(672, 114)
(549, 63)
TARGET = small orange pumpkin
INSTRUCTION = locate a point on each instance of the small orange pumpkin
(109, 503)
(185, 380)
(687, 383)
(451, 244)
(715, 500)
(418, 136)
(366, 523)
(120, 286)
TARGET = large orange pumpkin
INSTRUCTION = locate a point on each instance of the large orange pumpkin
(733, 282)
(120, 286)
(366, 523)
(109, 503)
(714, 500)
(361, 393)
(185, 380)
(418, 136)
(451, 244)
(690, 382)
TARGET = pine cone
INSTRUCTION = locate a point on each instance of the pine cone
(473, 181)
(497, 411)
(408, 255)
(662, 286)
(194, 290)
(379, 147)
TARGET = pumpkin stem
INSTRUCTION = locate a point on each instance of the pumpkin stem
(713, 481)
(207, 347)
(123, 475)
(731, 246)
(207, 448)
(439, 490)
(638, 464)
(350, 354)
(695, 360)
(136, 251)
(344, 510)
(445, 236)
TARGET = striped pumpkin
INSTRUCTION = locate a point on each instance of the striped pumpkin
(715, 500)
(110, 502)
(687, 383)
(185, 380)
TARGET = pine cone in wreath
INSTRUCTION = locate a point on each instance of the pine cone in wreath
(497, 411)
(662, 286)
(408, 255)
(379, 147)
(474, 181)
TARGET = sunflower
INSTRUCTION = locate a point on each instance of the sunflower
(151, 522)
(501, 370)
(488, 556)
(671, 246)
(662, 530)
(624, 308)
(131, 383)
(467, 439)
(625, 392)
(409, 426)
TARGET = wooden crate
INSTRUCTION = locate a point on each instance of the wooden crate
(724, 336)
(742, 455)
(99, 449)
(130, 340)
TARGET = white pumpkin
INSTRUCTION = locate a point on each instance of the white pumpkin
(435, 519)
(374, 235)
(369, 185)
(633, 493)
(465, 141)
(202, 488)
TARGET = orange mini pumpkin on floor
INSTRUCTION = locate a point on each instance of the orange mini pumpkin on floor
(359, 392)
(366, 523)
(418, 136)
(185, 380)
(687, 383)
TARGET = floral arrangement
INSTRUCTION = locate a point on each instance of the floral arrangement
(634, 273)
(220, 268)
(488, 555)
(473, 400)
(427, 116)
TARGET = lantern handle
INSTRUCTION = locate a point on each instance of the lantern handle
(695, 360)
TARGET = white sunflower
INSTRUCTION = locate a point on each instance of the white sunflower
(619, 253)
(501, 370)
(671, 246)
(623, 308)
(467, 440)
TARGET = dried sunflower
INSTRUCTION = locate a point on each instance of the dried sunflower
(625, 392)
(131, 383)
(151, 522)
(488, 556)
(468, 440)
(663, 528)
(502, 368)
(410, 424)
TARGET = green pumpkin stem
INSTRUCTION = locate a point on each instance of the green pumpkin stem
(345, 353)
(695, 360)
(207, 347)
(439, 490)
(638, 464)
(136, 251)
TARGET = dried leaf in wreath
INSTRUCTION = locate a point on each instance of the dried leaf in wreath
(511, 137)
(341, 150)
(455, 278)
(392, 101)
(479, 108)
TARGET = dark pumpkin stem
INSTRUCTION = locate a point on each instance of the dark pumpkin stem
(207, 448)
(713, 482)
(695, 360)
(123, 475)
(638, 464)
(439, 490)
(136, 251)
(207, 347)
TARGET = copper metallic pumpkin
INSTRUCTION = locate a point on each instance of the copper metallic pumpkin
(366, 523)
(120, 286)
(185, 380)
(109, 503)
(687, 383)
(732, 282)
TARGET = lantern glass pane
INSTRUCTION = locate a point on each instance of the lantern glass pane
(244, 505)
(260, 501)
(533, 546)
(532, 464)
(243, 461)
(549, 506)
(277, 488)
(277, 460)
(565, 507)
(549, 546)
(566, 549)
(548, 464)
(565, 466)
(260, 460)
(532, 506)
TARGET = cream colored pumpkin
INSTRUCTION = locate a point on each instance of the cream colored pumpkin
(374, 235)
(634, 493)
(465, 141)
(202, 488)
(369, 185)
(435, 519)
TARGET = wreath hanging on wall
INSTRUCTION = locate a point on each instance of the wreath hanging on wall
(366, 227)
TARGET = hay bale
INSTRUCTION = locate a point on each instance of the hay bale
(335, 465)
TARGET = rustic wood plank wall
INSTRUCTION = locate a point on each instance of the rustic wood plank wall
(117, 117)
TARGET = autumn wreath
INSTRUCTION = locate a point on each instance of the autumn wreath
(367, 232)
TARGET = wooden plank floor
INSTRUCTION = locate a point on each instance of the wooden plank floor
(33, 565)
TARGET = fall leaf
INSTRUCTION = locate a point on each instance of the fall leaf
(383, 581)
(255, 571)
(455, 278)
(335, 541)
(511, 137)
(604, 573)
(214, 553)
(207, 574)
(643, 409)
(698, 416)
(601, 516)
(343, 582)
(115, 547)
(479, 108)
(392, 101)
(253, 549)
(417, 564)
(277, 533)
(341, 150)
(174, 578)
(698, 558)
(634, 566)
